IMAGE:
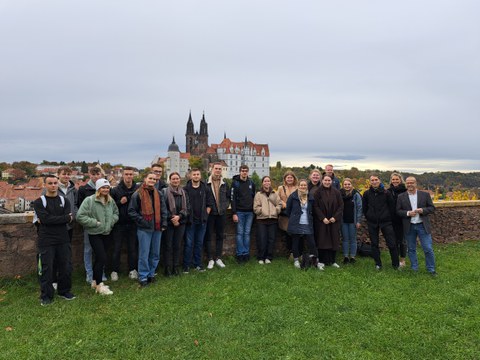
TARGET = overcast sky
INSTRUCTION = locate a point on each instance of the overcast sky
(372, 84)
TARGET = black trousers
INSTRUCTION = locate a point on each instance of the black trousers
(400, 239)
(215, 225)
(99, 245)
(297, 244)
(266, 234)
(55, 267)
(173, 244)
(124, 233)
(327, 256)
(60, 254)
(389, 235)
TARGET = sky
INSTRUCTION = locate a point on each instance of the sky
(388, 85)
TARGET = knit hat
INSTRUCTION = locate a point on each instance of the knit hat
(101, 183)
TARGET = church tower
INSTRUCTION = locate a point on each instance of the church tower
(196, 143)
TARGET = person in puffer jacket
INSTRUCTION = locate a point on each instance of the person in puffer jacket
(266, 206)
(97, 214)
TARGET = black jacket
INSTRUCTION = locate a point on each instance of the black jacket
(84, 192)
(117, 193)
(242, 194)
(207, 200)
(52, 227)
(378, 205)
(396, 191)
(224, 200)
(135, 213)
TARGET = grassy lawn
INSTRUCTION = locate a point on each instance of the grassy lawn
(258, 312)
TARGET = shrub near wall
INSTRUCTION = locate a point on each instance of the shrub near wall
(453, 221)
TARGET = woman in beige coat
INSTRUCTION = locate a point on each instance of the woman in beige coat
(289, 186)
(266, 206)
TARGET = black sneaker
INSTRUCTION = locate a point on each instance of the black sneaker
(150, 280)
(353, 260)
(186, 270)
(67, 296)
(200, 269)
(144, 283)
(346, 260)
(46, 302)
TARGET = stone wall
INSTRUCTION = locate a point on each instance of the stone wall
(453, 221)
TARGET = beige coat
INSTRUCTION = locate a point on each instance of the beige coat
(267, 207)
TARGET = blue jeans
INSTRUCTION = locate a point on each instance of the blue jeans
(425, 241)
(349, 239)
(87, 257)
(148, 253)
(194, 240)
(244, 226)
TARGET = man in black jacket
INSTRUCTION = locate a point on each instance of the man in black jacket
(53, 213)
(243, 192)
(201, 203)
(125, 229)
(378, 208)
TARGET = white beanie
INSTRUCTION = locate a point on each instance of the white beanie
(101, 183)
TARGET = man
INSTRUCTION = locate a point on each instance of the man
(84, 192)
(414, 207)
(53, 214)
(243, 192)
(217, 217)
(158, 171)
(378, 208)
(66, 188)
(125, 229)
(201, 203)
(329, 172)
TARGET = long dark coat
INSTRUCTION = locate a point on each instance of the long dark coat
(328, 203)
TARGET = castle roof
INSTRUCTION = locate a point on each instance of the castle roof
(232, 147)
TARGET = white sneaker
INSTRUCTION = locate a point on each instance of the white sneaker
(93, 284)
(296, 263)
(220, 263)
(267, 261)
(321, 266)
(133, 274)
(210, 264)
(261, 262)
(104, 277)
(335, 265)
(55, 285)
(114, 276)
(103, 290)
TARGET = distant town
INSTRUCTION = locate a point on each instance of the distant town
(22, 182)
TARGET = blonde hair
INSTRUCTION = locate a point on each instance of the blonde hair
(398, 175)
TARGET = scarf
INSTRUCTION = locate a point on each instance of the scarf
(303, 196)
(171, 193)
(149, 209)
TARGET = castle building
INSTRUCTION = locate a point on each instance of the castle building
(231, 154)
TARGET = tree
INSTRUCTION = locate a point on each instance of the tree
(28, 167)
(256, 180)
(279, 165)
(84, 167)
(195, 162)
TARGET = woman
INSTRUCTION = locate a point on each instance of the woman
(352, 215)
(327, 210)
(148, 210)
(300, 222)
(97, 214)
(397, 186)
(284, 191)
(267, 206)
(315, 181)
(178, 208)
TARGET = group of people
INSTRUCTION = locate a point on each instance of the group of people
(317, 217)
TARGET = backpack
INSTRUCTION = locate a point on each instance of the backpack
(44, 203)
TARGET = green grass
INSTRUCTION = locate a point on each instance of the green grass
(258, 312)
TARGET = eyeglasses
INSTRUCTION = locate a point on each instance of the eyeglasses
(157, 172)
